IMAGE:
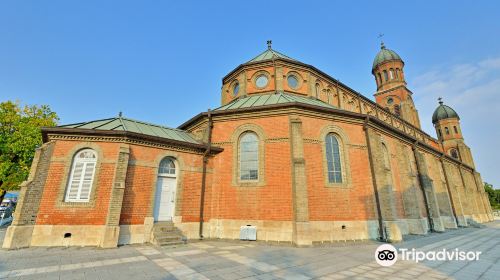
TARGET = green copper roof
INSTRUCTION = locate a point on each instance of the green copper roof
(385, 55)
(125, 124)
(443, 112)
(269, 54)
(271, 99)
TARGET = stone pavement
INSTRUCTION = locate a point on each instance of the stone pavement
(250, 260)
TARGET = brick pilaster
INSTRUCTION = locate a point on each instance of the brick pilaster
(112, 228)
(301, 231)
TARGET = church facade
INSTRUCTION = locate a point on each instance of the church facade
(291, 151)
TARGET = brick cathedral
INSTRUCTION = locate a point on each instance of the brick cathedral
(291, 151)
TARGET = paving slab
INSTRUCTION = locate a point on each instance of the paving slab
(245, 260)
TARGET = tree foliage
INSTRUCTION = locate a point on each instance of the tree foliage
(20, 135)
(493, 195)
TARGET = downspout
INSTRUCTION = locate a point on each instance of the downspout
(206, 154)
(374, 182)
(421, 181)
(449, 190)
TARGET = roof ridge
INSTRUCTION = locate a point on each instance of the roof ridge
(82, 123)
(286, 96)
(105, 123)
(152, 124)
(120, 118)
(230, 102)
(274, 53)
(277, 53)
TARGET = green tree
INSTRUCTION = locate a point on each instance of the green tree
(20, 135)
(490, 191)
(493, 195)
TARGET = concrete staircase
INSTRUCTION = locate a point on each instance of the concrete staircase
(166, 234)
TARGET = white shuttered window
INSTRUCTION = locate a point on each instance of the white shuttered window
(81, 176)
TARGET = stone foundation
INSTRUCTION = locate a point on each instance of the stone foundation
(282, 231)
(48, 235)
(449, 222)
(17, 237)
(416, 226)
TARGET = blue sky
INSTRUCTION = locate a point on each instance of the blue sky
(162, 61)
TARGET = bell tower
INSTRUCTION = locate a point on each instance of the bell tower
(392, 93)
(447, 124)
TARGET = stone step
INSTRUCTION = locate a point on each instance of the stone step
(166, 234)
(167, 231)
(165, 227)
(172, 243)
(168, 237)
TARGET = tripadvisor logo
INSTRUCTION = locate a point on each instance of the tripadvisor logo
(387, 255)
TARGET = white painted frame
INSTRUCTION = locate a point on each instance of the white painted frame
(85, 161)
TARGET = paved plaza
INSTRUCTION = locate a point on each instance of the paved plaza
(251, 260)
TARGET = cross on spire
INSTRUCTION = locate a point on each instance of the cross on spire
(380, 35)
(269, 43)
(440, 100)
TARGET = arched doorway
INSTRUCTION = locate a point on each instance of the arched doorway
(166, 190)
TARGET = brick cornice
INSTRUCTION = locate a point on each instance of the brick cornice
(49, 133)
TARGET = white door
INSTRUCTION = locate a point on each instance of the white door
(165, 199)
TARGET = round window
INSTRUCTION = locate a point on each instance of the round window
(390, 100)
(293, 82)
(236, 88)
(261, 81)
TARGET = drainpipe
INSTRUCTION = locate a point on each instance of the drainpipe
(374, 181)
(204, 172)
(421, 181)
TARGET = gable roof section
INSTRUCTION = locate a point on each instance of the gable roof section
(130, 125)
(272, 99)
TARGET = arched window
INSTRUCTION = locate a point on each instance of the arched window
(391, 73)
(397, 110)
(386, 77)
(167, 167)
(249, 156)
(455, 129)
(333, 159)
(81, 176)
(446, 130)
(318, 88)
(379, 78)
(397, 73)
(454, 153)
(440, 133)
(387, 160)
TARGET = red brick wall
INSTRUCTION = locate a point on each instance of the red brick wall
(141, 182)
(328, 203)
(273, 201)
(51, 214)
(139, 188)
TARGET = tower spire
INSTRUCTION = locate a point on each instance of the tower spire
(440, 100)
(269, 43)
(382, 45)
